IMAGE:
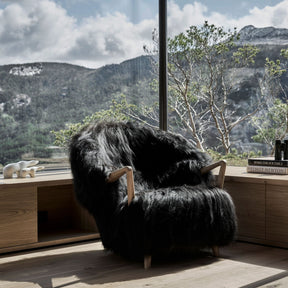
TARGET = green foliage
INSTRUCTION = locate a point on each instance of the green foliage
(199, 43)
(119, 110)
(284, 53)
(20, 138)
(274, 68)
(196, 41)
(272, 125)
(234, 158)
(245, 55)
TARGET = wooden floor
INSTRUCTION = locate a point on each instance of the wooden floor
(88, 265)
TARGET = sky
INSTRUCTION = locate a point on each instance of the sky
(93, 33)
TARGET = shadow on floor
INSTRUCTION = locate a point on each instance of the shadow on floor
(92, 267)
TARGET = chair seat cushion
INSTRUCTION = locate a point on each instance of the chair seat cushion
(156, 220)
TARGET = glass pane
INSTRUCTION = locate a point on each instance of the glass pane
(219, 80)
(62, 61)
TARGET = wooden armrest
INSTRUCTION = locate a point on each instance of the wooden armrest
(221, 175)
(115, 175)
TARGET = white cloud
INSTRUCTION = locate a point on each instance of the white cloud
(34, 31)
(276, 16)
(180, 19)
(43, 31)
(110, 38)
(197, 13)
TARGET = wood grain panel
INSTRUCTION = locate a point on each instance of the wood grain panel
(18, 216)
(249, 200)
(277, 213)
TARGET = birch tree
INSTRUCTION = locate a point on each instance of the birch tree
(201, 61)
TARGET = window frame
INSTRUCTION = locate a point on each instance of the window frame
(163, 75)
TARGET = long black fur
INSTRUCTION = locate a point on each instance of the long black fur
(174, 206)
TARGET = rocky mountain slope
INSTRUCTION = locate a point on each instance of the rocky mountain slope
(36, 98)
(267, 36)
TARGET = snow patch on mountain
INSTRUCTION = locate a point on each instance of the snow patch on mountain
(26, 70)
(21, 100)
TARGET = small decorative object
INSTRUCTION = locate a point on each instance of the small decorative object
(278, 152)
(22, 169)
(285, 153)
(281, 150)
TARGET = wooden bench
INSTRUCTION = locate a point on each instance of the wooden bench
(41, 211)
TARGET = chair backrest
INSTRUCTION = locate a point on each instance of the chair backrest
(160, 158)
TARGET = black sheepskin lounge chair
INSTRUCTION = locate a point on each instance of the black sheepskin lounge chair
(167, 200)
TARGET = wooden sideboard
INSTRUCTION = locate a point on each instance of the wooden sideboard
(41, 211)
(261, 202)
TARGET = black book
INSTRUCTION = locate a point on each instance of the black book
(268, 161)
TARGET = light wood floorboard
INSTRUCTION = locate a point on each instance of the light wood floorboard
(240, 265)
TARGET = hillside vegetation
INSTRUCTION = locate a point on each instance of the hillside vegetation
(36, 98)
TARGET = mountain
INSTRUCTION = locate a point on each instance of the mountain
(36, 98)
(267, 36)
(246, 89)
(48, 89)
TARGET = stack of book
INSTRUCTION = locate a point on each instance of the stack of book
(267, 165)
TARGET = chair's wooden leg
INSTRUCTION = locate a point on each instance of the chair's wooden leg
(215, 250)
(147, 261)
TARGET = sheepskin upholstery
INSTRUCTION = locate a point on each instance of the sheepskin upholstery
(174, 205)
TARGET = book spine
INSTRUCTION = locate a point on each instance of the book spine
(267, 170)
(272, 163)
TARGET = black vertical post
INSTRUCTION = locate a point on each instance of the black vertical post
(163, 77)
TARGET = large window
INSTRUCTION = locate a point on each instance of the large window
(62, 61)
(221, 90)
